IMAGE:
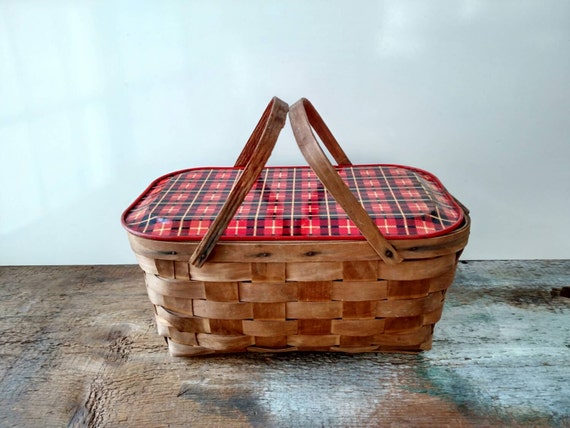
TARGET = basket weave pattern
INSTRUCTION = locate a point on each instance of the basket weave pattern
(361, 305)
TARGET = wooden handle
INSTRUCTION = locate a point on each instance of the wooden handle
(255, 138)
(302, 116)
(323, 131)
(253, 158)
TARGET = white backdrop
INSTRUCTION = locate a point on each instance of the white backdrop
(98, 98)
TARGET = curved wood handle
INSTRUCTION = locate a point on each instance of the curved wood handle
(255, 138)
(323, 131)
(253, 158)
(301, 116)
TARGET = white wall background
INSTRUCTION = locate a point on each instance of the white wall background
(98, 98)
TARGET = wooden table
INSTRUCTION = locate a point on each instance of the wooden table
(79, 348)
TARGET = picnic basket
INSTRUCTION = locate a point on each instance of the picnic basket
(348, 258)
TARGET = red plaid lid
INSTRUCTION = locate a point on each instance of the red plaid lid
(291, 203)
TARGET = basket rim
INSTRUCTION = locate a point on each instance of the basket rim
(279, 251)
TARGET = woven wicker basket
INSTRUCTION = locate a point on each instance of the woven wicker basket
(367, 294)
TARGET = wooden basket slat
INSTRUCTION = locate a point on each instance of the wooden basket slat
(356, 341)
(269, 272)
(353, 327)
(361, 270)
(314, 327)
(174, 288)
(268, 292)
(359, 310)
(165, 268)
(409, 307)
(408, 289)
(162, 327)
(276, 342)
(267, 328)
(222, 271)
(226, 327)
(223, 310)
(225, 343)
(354, 291)
(181, 269)
(176, 304)
(182, 350)
(273, 311)
(183, 322)
(314, 310)
(431, 318)
(314, 271)
(311, 341)
(403, 324)
(147, 264)
(183, 337)
(442, 282)
(411, 270)
(222, 291)
(314, 291)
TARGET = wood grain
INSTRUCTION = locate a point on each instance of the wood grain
(79, 348)
(301, 116)
(254, 156)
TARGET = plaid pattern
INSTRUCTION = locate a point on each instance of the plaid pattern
(291, 203)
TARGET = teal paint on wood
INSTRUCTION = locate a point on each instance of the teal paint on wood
(79, 348)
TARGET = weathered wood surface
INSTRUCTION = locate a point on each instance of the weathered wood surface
(79, 348)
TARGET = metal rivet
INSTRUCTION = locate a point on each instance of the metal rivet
(389, 254)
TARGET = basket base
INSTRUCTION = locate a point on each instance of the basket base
(180, 350)
(192, 349)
